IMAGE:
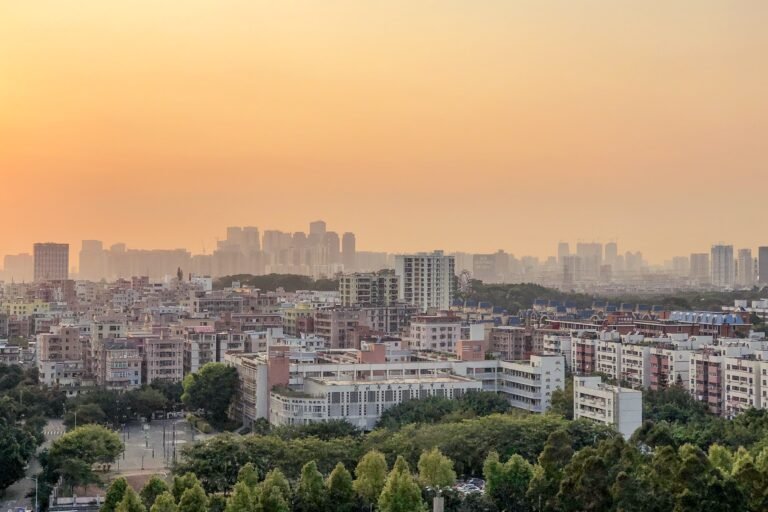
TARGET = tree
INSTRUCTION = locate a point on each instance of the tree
(17, 445)
(249, 475)
(547, 474)
(435, 469)
(341, 493)
(561, 402)
(164, 503)
(506, 484)
(130, 502)
(85, 414)
(73, 454)
(274, 501)
(211, 389)
(194, 500)
(146, 401)
(152, 489)
(114, 495)
(310, 494)
(401, 493)
(370, 476)
(242, 499)
(183, 483)
(275, 479)
(721, 458)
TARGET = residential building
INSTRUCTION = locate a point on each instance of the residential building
(621, 408)
(438, 333)
(337, 326)
(369, 289)
(51, 262)
(700, 273)
(723, 268)
(762, 265)
(427, 280)
(745, 269)
(510, 343)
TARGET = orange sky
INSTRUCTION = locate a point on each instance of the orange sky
(463, 125)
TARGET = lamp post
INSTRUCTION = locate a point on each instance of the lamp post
(35, 479)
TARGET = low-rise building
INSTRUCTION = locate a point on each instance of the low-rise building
(619, 407)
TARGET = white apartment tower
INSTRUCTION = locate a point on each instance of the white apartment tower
(427, 280)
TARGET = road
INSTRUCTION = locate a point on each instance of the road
(151, 446)
(16, 495)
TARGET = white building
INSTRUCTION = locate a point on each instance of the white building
(427, 280)
(619, 407)
(438, 333)
(722, 269)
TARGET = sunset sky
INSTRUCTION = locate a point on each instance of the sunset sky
(464, 125)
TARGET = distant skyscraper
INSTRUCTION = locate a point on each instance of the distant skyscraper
(762, 266)
(333, 244)
(591, 255)
(700, 268)
(563, 251)
(51, 261)
(317, 227)
(745, 266)
(250, 241)
(427, 280)
(18, 267)
(348, 250)
(93, 260)
(611, 254)
(722, 270)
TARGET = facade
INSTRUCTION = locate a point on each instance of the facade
(723, 269)
(164, 359)
(359, 402)
(745, 269)
(51, 262)
(699, 271)
(378, 289)
(510, 343)
(119, 365)
(762, 265)
(337, 326)
(438, 333)
(427, 280)
(621, 408)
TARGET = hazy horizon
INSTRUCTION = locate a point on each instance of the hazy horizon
(457, 125)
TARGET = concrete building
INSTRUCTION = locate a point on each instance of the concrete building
(379, 289)
(348, 251)
(723, 269)
(745, 269)
(621, 408)
(700, 273)
(51, 262)
(427, 280)
(199, 347)
(337, 326)
(762, 265)
(510, 343)
(359, 402)
(119, 364)
(439, 333)
(164, 359)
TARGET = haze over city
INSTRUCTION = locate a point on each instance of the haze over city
(465, 126)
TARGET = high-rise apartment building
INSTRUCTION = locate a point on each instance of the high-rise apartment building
(51, 262)
(723, 268)
(591, 255)
(563, 251)
(369, 289)
(93, 260)
(611, 254)
(700, 268)
(427, 280)
(348, 250)
(18, 267)
(762, 265)
(745, 268)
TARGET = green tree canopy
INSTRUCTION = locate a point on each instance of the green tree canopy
(310, 493)
(401, 493)
(154, 487)
(164, 503)
(212, 390)
(130, 502)
(114, 495)
(370, 476)
(435, 469)
(194, 500)
(341, 493)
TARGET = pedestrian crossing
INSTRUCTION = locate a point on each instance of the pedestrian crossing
(54, 432)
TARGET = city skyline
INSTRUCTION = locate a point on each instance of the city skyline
(462, 126)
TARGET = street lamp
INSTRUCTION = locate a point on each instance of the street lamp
(35, 479)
